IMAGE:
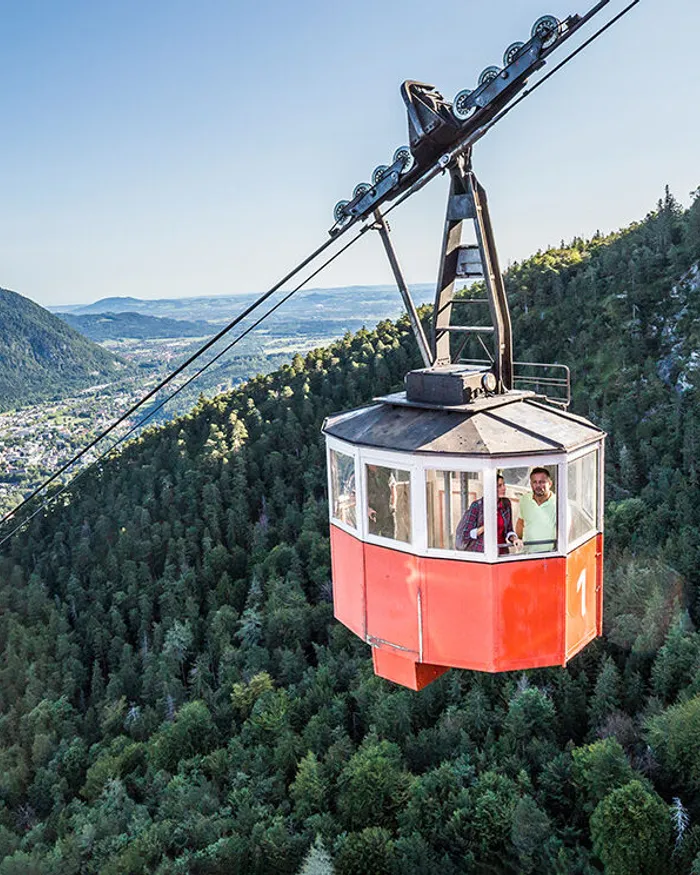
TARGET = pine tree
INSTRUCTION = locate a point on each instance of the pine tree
(318, 861)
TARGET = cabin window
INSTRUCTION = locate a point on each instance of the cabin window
(389, 502)
(454, 500)
(343, 490)
(532, 495)
(583, 496)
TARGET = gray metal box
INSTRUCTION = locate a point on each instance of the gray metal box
(450, 385)
(469, 261)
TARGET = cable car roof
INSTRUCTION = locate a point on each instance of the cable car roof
(505, 425)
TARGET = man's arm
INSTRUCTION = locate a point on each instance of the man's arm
(520, 527)
(469, 521)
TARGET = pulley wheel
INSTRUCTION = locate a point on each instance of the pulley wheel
(462, 107)
(488, 75)
(547, 28)
(339, 213)
(511, 52)
(379, 172)
(404, 155)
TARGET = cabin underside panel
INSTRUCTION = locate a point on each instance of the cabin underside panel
(423, 615)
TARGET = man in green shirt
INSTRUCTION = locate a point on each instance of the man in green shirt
(537, 525)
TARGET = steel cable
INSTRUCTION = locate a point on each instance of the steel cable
(439, 167)
(164, 382)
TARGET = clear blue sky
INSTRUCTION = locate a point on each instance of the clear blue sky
(166, 148)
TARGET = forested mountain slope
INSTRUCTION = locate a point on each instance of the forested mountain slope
(114, 326)
(624, 313)
(176, 698)
(42, 357)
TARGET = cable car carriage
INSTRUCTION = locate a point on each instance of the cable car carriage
(466, 513)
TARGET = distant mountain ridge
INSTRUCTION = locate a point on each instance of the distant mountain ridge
(222, 308)
(42, 357)
(319, 313)
(115, 326)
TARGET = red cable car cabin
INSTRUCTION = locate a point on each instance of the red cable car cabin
(402, 477)
(403, 473)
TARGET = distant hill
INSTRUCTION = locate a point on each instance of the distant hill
(104, 305)
(115, 326)
(118, 326)
(42, 357)
(366, 303)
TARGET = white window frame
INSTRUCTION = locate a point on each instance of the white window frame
(458, 464)
(488, 466)
(595, 446)
(347, 450)
(404, 462)
(550, 461)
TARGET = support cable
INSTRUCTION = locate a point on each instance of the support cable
(164, 382)
(528, 91)
(445, 160)
(442, 164)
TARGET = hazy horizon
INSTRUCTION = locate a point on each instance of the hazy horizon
(242, 294)
(153, 149)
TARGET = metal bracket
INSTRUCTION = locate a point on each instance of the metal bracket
(467, 201)
(381, 225)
